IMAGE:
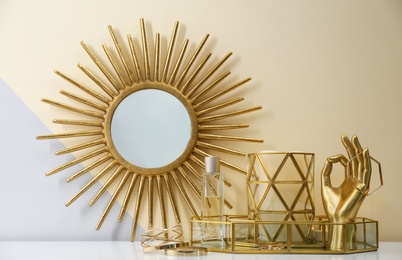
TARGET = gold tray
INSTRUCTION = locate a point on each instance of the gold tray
(243, 236)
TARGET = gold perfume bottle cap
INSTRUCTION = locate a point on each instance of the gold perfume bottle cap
(212, 164)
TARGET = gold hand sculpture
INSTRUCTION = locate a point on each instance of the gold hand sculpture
(342, 203)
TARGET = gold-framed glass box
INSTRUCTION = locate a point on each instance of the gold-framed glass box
(242, 236)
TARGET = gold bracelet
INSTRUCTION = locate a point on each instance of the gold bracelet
(187, 251)
(148, 249)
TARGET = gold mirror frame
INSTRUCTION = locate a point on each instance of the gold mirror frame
(127, 77)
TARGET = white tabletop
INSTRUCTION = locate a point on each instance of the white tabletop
(43, 250)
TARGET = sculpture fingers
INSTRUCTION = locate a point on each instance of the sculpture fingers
(356, 144)
(354, 166)
(348, 146)
(326, 174)
(339, 158)
(358, 159)
(327, 169)
(366, 173)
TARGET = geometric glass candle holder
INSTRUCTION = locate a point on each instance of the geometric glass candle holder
(280, 187)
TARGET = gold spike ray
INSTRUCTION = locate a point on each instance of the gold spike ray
(178, 63)
(195, 73)
(220, 106)
(228, 115)
(169, 53)
(112, 200)
(229, 138)
(210, 86)
(69, 135)
(77, 160)
(219, 94)
(145, 51)
(190, 182)
(81, 146)
(74, 109)
(116, 68)
(190, 63)
(137, 207)
(90, 167)
(92, 182)
(184, 193)
(219, 148)
(84, 88)
(120, 52)
(221, 127)
(78, 122)
(157, 57)
(161, 201)
(208, 75)
(100, 66)
(83, 100)
(128, 196)
(107, 184)
(192, 170)
(134, 57)
(150, 202)
(171, 197)
(99, 82)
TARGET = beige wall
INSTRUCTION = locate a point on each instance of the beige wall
(319, 69)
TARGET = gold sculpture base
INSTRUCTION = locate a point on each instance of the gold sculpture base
(244, 236)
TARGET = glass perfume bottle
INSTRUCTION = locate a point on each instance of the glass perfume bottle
(212, 204)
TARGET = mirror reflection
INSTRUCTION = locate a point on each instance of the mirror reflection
(150, 128)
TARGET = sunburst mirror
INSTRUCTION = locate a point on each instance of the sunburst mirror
(167, 94)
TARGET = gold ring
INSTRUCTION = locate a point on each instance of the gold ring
(164, 246)
(187, 251)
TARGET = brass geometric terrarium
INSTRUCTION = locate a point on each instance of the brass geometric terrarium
(198, 89)
(280, 187)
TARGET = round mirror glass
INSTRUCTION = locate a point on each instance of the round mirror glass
(150, 128)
